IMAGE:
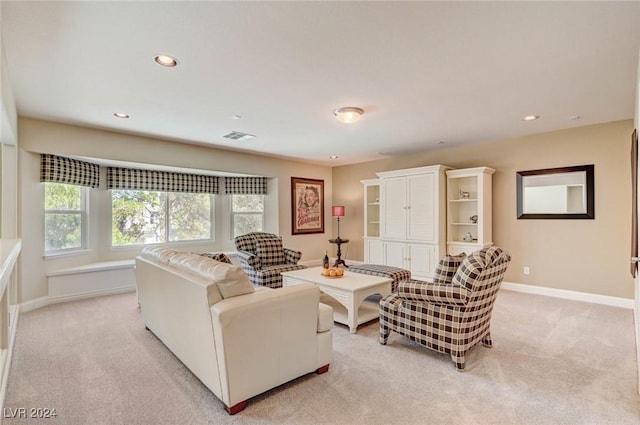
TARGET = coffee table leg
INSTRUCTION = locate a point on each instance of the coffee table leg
(352, 314)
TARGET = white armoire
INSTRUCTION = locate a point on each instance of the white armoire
(407, 210)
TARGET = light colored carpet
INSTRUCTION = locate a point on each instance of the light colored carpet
(553, 362)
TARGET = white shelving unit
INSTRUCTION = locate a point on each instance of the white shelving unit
(371, 208)
(373, 248)
(468, 197)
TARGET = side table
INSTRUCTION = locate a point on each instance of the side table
(339, 242)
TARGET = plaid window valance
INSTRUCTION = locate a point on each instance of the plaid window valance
(245, 185)
(162, 181)
(59, 169)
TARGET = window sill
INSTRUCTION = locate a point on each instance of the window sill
(66, 254)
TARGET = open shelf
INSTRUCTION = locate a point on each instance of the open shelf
(469, 195)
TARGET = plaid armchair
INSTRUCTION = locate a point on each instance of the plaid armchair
(453, 315)
(263, 258)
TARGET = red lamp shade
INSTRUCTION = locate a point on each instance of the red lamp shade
(337, 211)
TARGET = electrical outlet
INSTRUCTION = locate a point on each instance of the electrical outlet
(526, 270)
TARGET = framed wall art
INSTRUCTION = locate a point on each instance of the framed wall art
(307, 206)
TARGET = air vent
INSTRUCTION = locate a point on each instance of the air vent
(237, 135)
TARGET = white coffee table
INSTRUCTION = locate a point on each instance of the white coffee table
(347, 293)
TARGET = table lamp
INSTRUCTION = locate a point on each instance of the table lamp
(338, 211)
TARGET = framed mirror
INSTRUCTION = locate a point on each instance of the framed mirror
(556, 193)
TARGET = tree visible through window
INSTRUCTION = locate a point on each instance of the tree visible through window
(64, 216)
(143, 217)
(247, 214)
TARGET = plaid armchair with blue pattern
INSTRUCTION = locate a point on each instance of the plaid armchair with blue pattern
(263, 258)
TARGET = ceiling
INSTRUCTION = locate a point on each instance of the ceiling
(424, 72)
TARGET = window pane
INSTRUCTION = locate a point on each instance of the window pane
(189, 216)
(59, 196)
(245, 223)
(248, 203)
(138, 217)
(62, 231)
(63, 216)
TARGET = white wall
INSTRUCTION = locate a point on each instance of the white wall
(41, 136)
(8, 152)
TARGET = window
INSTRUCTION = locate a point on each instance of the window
(64, 217)
(145, 217)
(247, 214)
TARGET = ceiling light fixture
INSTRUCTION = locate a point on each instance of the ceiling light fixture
(531, 117)
(333, 157)
(165, 60)
(121, 115)
(348, 114)
(575, 117)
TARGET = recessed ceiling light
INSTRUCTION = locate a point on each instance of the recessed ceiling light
(121, 115)
(348, 114)
(165, 60)
(236, 117)
(333, 157)
(575, 117)
(531, 117)
(441, 142)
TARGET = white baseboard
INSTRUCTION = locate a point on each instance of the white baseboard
(34, 304)
(73, 297)
(44, 301)
(569, 295)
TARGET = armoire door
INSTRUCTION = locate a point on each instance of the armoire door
(421, 213)
(393, 221)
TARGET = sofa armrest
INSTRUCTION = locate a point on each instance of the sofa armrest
(265, 339)
(250, 260)
(291, 256)
(435, 293)
(325, 317)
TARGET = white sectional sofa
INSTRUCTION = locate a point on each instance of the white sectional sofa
(240, 341)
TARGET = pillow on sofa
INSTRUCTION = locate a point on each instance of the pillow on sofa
(218, 256)
(270, 251)
(232, 281)
(447, 268)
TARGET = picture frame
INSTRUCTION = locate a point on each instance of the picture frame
(307, 206)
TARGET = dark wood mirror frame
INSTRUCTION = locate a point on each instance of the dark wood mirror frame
(589, 181)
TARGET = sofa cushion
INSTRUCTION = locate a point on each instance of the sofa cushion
(447, 268)
(231, 280)
(158, 253)
(194, 264)
(270, 251)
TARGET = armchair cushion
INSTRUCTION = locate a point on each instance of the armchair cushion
(270, 251)
(436, 293)
(291, 256)
(447, 268)
(473, 266)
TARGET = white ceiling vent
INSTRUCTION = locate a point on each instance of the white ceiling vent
(237, 135)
